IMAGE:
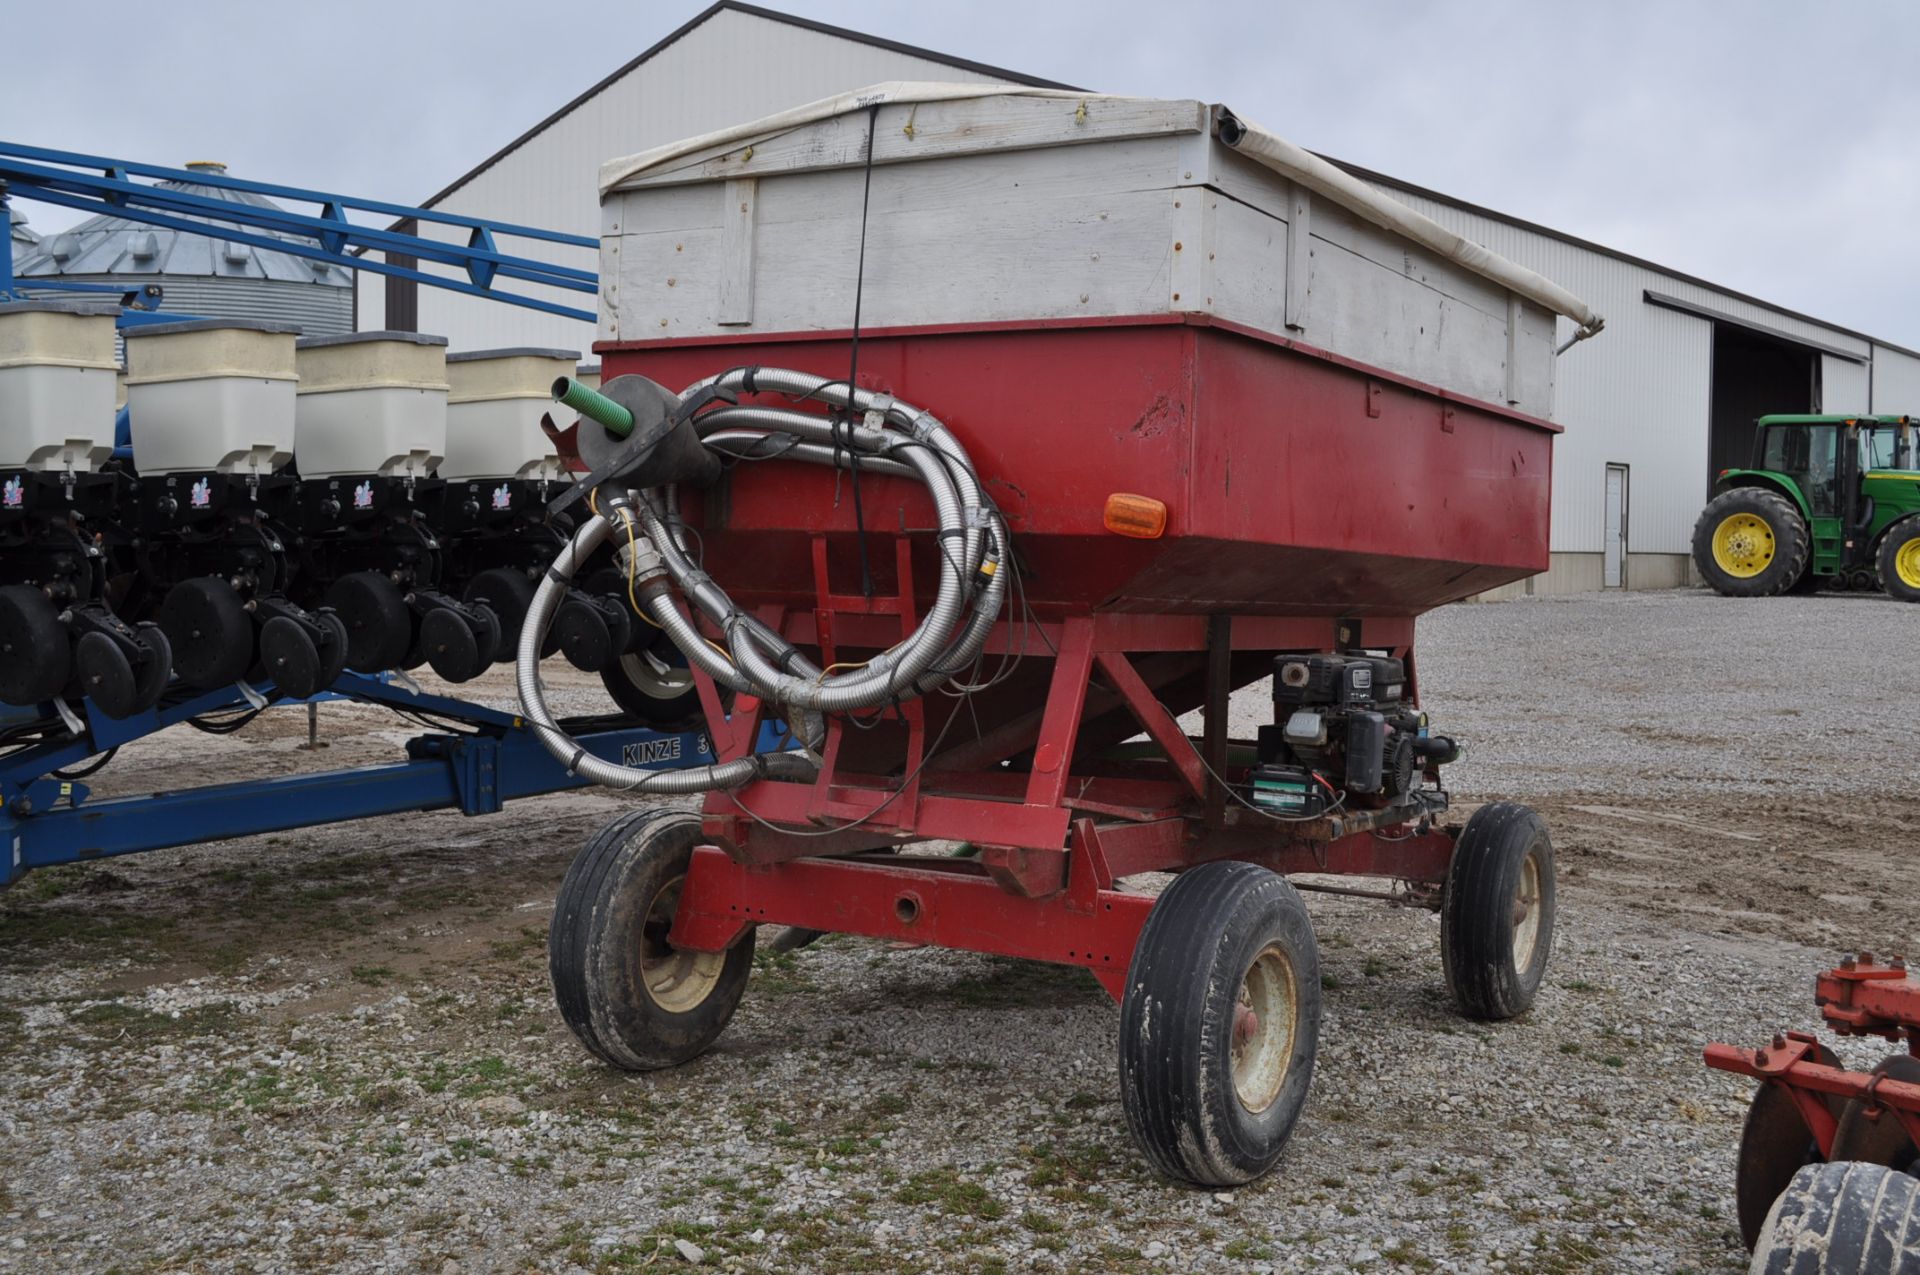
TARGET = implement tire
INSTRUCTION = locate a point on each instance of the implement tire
(1843, 1218)
(1751, 543)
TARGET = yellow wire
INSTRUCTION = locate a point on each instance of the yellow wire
(633, 557)
(633, 550)
(831, 669)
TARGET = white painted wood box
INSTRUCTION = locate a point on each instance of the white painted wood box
(1022, 207)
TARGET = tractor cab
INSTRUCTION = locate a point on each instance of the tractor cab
(1831, 501)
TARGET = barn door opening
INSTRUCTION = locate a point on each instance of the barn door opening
(1615, 574)
(1754, 376)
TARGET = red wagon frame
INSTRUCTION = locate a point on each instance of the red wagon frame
(1053, 839)
(1306, 504)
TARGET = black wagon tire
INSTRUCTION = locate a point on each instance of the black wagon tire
(1219, 1023)
(1900, 560)
(1843, 1218)
(632, 1000)
(1496, 912)
(1751, 543)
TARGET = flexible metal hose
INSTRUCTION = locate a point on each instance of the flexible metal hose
(890, 437)
(533, 704)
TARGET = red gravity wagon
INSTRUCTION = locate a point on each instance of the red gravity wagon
(1003, 436)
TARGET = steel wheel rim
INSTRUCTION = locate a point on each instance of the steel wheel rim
(654, 677)
(1743, 545)
(1526, 912)
(676, 981)
(1265, 1020)
(1906, 563)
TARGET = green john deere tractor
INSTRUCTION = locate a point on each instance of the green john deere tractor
(1831, 502)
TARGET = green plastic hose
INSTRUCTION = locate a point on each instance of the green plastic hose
(593, 405)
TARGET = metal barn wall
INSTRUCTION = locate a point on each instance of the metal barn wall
(732, 69)
(1638, 394)
(1844, 385)
(1896, 382)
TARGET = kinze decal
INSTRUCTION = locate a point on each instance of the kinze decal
(651, 752)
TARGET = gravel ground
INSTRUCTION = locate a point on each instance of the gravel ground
(336, 1048)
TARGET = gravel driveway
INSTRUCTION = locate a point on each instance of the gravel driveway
(336, 1048)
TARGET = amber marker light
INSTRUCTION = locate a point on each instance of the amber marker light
(1141, 517)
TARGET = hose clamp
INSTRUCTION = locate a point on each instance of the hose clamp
(639, 561)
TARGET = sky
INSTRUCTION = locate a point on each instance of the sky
(1771, 146)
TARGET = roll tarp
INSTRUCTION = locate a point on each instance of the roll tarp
(1256, 143)
(1335, 183)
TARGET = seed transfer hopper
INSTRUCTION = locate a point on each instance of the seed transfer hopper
(1031, 423)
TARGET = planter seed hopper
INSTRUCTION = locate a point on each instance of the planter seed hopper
(1004, 431)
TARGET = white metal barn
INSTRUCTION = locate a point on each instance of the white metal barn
(1664, 398)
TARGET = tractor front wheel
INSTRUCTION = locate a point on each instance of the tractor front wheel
(1751, 543)
(1900, 560)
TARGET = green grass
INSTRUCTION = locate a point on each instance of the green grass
(951, 1193)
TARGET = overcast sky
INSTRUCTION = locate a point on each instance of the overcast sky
(1772, 146)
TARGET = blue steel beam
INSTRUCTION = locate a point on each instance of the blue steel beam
(49, 822)
(201, 177)
(111, 195)
(91, 183)
(346, 262)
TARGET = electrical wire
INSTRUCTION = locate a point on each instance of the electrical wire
(93, 767)
(1339, 800)
(227, 725)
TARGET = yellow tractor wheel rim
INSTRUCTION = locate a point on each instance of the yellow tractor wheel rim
(1743, 545)
(1906, 563)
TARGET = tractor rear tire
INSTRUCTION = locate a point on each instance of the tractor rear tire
(629, 997)
(1843, 1218)
(1900, 560)
(1751, 543)
(1496, 912)
(1219, 1023)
